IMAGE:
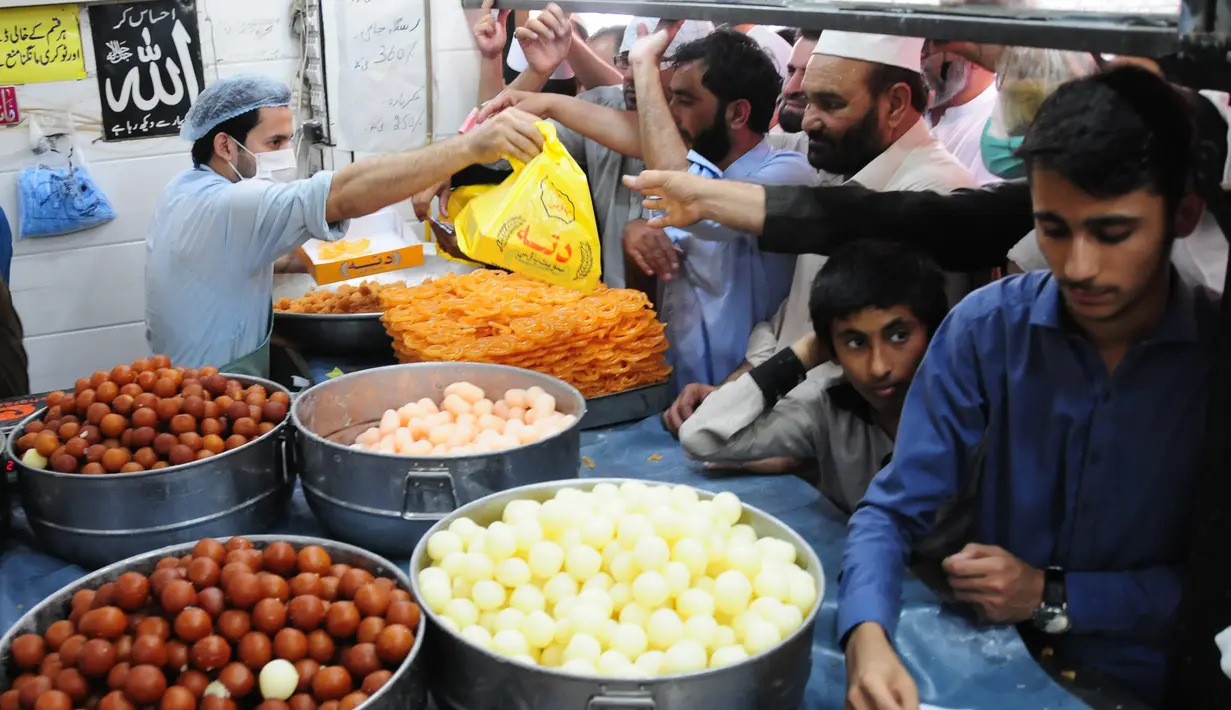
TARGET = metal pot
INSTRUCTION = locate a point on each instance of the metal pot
(466, 677)
(96, 520)
(348, 334)
(385, 502)
(405, 690)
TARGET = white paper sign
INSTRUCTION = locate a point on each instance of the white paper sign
(376, 63)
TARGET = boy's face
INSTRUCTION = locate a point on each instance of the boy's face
(1104, 253)
(879, 350)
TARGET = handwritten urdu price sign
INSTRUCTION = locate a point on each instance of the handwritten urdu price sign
(39, 44)
(149, 66)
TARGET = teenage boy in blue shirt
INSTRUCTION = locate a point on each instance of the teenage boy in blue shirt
(1087, 387)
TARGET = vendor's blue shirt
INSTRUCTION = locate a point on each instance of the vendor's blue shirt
(1007, 371)
(209, 260)
(725, 285)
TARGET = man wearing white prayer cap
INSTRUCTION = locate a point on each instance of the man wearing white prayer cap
(689, 31)
(863, 123)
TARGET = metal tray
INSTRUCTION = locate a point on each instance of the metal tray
(349, 334)
(405, 690)
(630, 405)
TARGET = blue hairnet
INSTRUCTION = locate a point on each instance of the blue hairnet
(230, 97)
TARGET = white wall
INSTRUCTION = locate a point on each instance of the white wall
(81, 297)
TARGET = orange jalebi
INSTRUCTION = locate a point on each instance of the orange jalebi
(601, 342)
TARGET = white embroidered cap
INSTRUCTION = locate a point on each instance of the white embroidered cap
(904, 52)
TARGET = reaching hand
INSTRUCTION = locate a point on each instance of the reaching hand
(676, 194)
(510, 134)
(685, 405)
(489, 33)
(651, 250)
(810, 351)
(546, 39)
(1004, 589)
(422, 202)
(651, 47)
(875, 676)
(528, 101)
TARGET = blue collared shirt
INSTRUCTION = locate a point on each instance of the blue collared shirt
(1006, 372)
(725, 285)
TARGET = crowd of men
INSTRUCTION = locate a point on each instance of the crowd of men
(826, 239)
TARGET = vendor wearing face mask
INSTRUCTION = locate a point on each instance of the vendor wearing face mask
(222, 223)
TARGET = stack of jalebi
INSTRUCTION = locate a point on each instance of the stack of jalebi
(601, 342)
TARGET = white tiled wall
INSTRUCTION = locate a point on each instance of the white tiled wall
(81, 297)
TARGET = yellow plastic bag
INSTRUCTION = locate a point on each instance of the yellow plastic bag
(539, 222)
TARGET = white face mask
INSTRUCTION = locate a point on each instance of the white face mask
(275, 166)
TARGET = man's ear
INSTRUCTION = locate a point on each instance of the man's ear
(739, 113)
(224, 147)
(1189, 214)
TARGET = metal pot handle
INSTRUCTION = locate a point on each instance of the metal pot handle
(422, 491)
(286, 451)
(622, 700)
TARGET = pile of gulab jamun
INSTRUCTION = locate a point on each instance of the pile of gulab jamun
(227, 627)
(147, 416)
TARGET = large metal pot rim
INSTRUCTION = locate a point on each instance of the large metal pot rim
(302, 430)
(785, 531)
(59, 596)
(11, 445)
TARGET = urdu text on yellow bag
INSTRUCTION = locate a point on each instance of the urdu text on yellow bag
(539, 222)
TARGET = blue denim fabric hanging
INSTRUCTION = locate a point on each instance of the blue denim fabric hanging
(55, 200)
(6, 248)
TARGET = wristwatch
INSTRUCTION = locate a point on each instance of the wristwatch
(1052, 616)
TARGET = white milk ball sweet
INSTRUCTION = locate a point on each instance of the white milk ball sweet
(732, 592)
(598, 531)
(651, 553)
(772, 581)
(632, 528)
(634, 613)
(629, 639)
(488, 595)
(685, 656)
(586, 620)
(650, 590)
(623, 568)
(744, 559)
(725, 636)
(621, 594)
(601, 581)
(668, 523)
(518, 510)
(546, 559)
(508, 619)
(582, 562)
(584, 647)
(478, 635)
(539, 629)
(677, 576)
(761, 636)
(463, 612)
(650, 662)
(802, 592)
(553, 656)
(528, 598)
(599, 600)
(728, 507)
(477, 567)
(694, 602)
(554, 516)
(787, 618)
(743, 533)
(701, 628)
(664, 628)
(692, 554)
(449, 625)
(510, 642)
(579, 666)
(442, 543)
(728, 656)
(559, 587)
(527, 533)
(454, 563)
(513, 572)
(500, 542)
(278, 680)
(613, 663)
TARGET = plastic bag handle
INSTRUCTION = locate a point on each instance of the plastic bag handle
(551, 145)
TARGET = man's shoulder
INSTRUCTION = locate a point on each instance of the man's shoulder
(783, 167)
(609, 96)
(1003, 302)
(931, 167)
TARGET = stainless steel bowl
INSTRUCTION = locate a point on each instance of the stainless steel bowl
(405, 690)
(334, 333)
(96, 520)
(385, 502)
(466, 677)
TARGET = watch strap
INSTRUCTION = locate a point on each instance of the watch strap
(1055, 591)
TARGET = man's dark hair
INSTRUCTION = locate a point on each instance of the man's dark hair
(736, 68)
(788, 34)
(883, 76)
(1116, 132)
(237, 128)
(582, 31)
(877, 274)
(810, 35)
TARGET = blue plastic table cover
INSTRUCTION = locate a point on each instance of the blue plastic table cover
(956, 664)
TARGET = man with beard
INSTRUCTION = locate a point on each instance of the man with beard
(963, 96)
(864, 121)
(791, 106)
(715, 285)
